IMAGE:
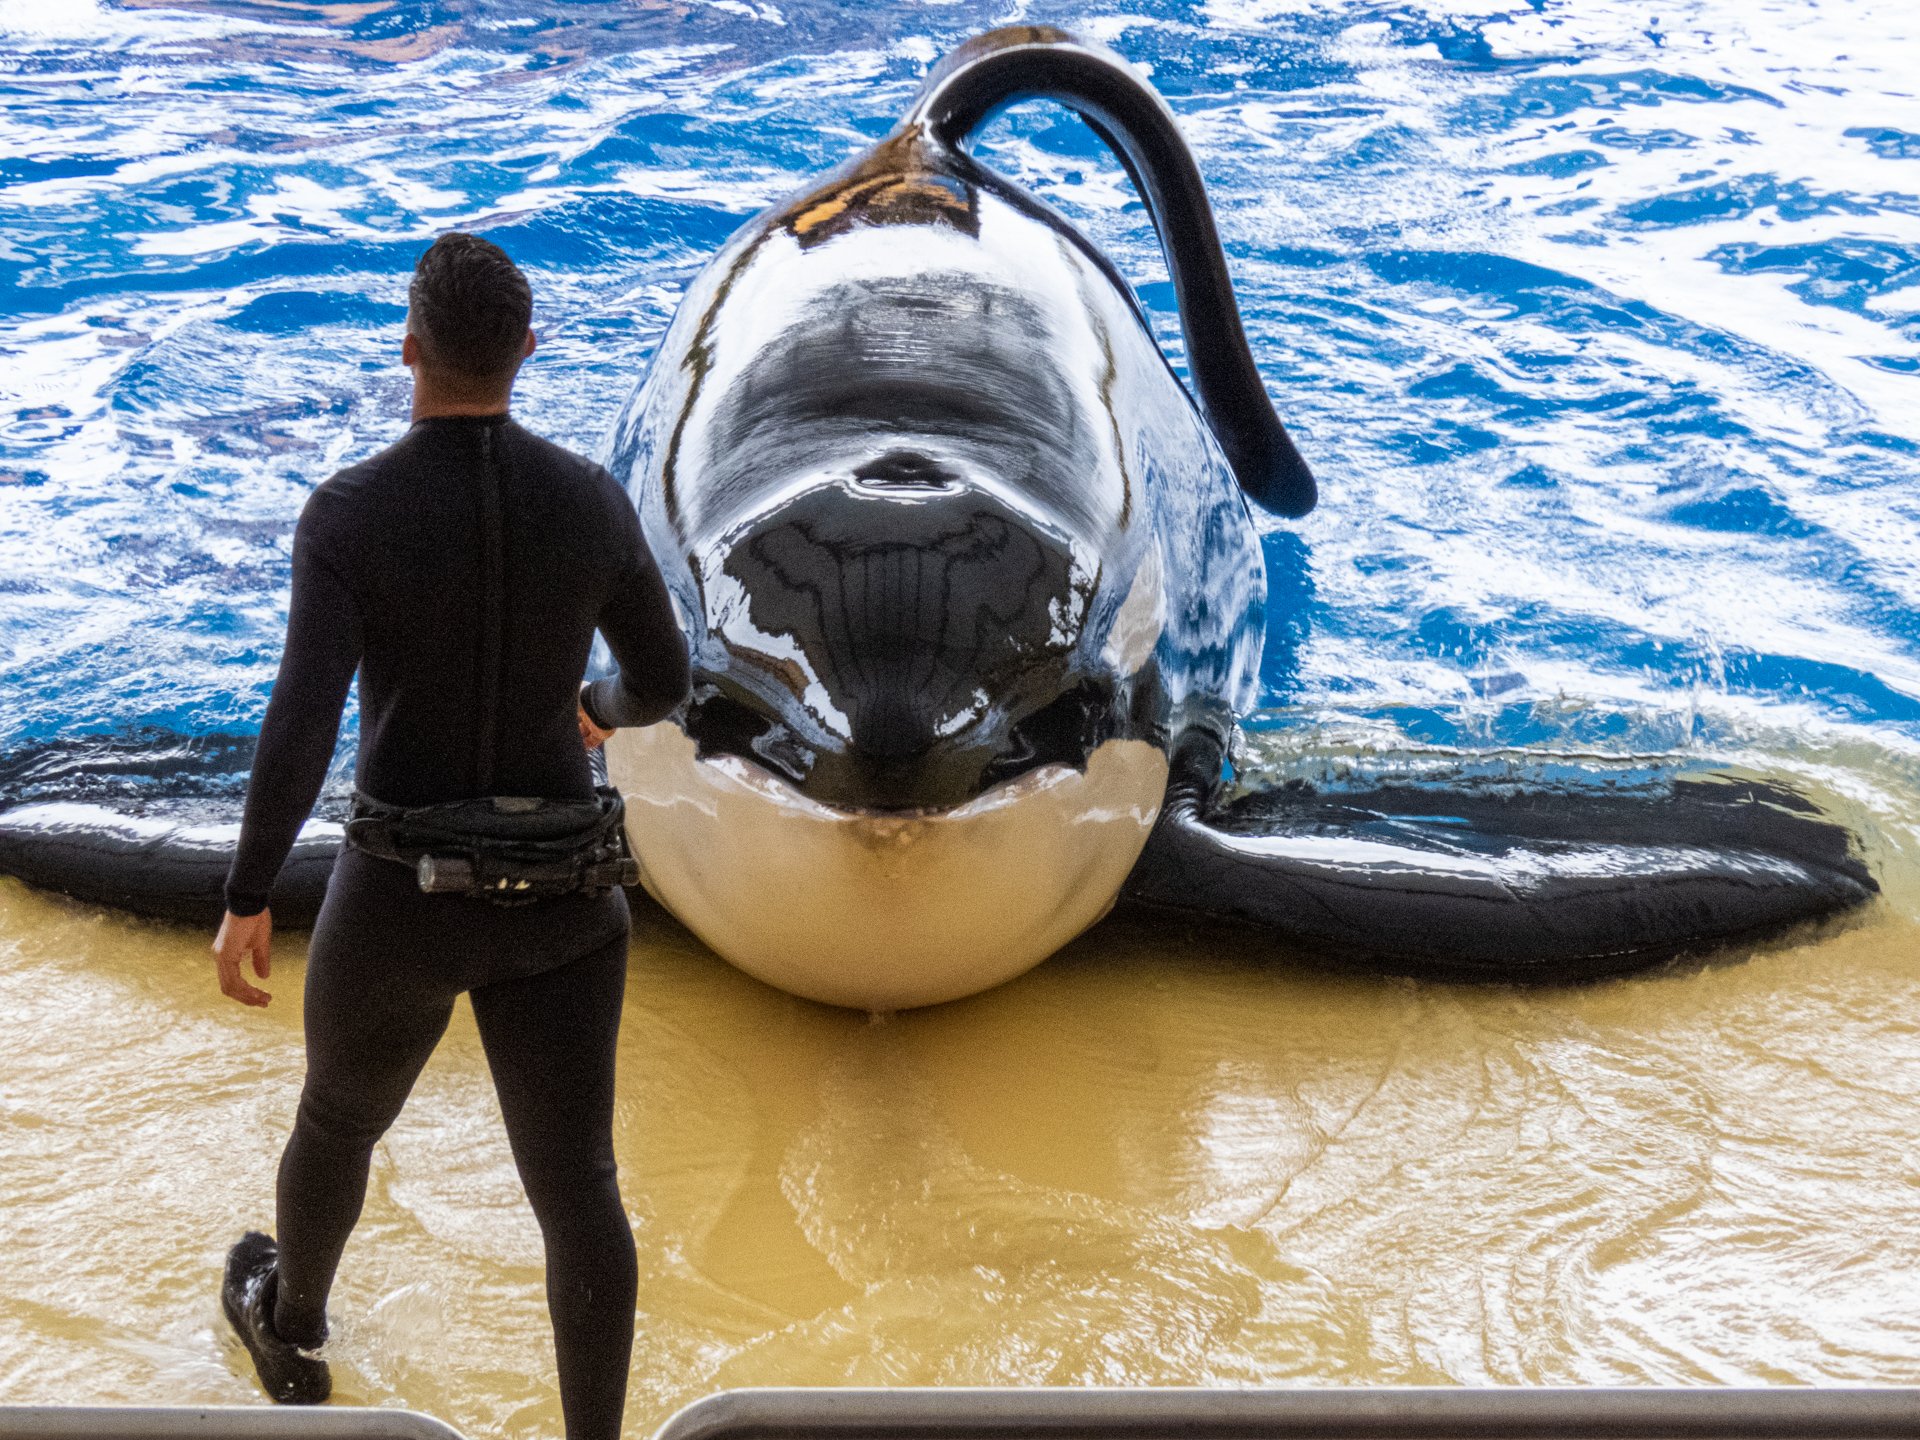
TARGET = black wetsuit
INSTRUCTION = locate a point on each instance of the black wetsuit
(468, 686)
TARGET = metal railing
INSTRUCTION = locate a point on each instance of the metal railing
(1346, 1413)
(1705, 1413)
(218, 1422)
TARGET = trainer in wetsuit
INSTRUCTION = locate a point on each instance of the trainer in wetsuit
(469, 687)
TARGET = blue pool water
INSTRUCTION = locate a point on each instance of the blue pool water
(1600, 323)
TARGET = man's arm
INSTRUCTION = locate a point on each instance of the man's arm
(640, 628)
(296, 747)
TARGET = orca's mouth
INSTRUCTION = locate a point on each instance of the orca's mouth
(1065, 731)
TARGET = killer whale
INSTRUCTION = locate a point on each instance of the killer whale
(977, 598)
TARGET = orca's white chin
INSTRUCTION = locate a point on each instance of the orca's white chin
(874, 910)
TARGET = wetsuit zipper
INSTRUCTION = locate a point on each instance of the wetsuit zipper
(492, 616)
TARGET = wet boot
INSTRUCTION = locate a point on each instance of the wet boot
(292, 1376)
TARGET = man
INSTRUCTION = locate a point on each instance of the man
(462, 572)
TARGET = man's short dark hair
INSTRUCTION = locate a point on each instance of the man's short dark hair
(470, 306)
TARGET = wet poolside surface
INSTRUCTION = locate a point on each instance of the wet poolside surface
(1601, 332)
(1141, 1164)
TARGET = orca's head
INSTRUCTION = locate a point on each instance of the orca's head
(927, 736)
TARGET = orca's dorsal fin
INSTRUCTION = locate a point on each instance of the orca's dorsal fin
(1037, 62)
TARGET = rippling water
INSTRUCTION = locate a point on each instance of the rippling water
(1602, 329)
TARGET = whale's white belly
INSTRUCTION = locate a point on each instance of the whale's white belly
(883, 911)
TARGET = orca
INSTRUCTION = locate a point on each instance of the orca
(977, 601)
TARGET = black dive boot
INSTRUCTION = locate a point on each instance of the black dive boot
(292, 1376)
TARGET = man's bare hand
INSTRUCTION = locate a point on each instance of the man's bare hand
(242, 936)
(591, 735)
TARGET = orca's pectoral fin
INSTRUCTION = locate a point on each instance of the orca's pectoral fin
(1535, 885)
(169, 862)
(147, 820)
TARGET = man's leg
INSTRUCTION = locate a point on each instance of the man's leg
(373, 1014)
(550, 1042)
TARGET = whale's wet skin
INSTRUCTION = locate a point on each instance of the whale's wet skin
(1600, 334)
